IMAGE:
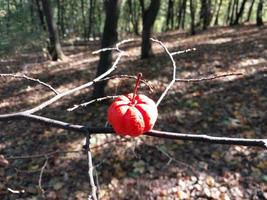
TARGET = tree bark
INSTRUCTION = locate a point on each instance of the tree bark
(205, 13)
(110, 36)
(218, 14)
(148, 17)
(192, 14)
(260, 13)
(54, 47)
(169, 17)
(240, 12)
(250, 10)
(91, 10)
(233, 12)
(40, 14)
(183, 14)
(83, 20)
(228, 16)
(8, 17)
(134, 16)
(62, 18)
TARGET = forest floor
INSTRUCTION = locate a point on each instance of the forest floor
(144, 167)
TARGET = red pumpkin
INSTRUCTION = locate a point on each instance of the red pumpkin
(132, 114)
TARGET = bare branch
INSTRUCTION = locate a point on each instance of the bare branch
(117, 48)
(174, 79)
(71, 91)
(207, 78)
(90, 168)
(173, 74)
(23, 76)
(209, 139)
(102, 50)
(41, 176)
(183, 51)
(155, 133)
(108, 97)
(128, 77)
(15, 191)
(47, 155)
(90, 102)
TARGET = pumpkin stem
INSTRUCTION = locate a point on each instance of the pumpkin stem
(139, 76)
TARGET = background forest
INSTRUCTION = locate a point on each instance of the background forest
(23, 26)
(48, 48)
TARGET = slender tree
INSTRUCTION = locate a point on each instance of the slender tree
(206, 13)
(250, 10)
(40, 14)
(109, 37)
(134, 15)
(218, 13)
(8, 17)
(54, 47)
(240, 12)
(260, 13)
(90, 17)
(148, 17)
(181, 15)
(228, 15)
(62, 17)
(83, 20)
(169, 17)
(192, 14)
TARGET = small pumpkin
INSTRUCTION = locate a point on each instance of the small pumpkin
(132, 114)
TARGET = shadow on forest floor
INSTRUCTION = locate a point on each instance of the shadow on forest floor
(145, 167)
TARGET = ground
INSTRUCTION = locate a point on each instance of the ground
(144, 167)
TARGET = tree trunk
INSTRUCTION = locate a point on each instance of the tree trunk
(260, 13)
(58, 16)
(134, 17)
(62, 18)
(7, 17)
(205, 13)
(240, 12)
(54, 48)
(40, 14)
(31, 2)
(179, 13)
(233, 12)
(148, 17)
(110, 36)
(169, 17)
(218, 13)
(90, 20)
(229, 12)
(250, 10)
(83, 20)
(183, 14)
(192, 14)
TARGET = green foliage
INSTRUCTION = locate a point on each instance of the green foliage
(20, 27)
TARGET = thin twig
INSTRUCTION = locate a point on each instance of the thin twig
(117, 48)
(23, 76)
(174, 79)
(183, 51)
(90, 102)
(155, 133)
(41, 176)
(128, 77)
(90, 169)
(15, 191)
(71, 91)
(174, 70)
(207, 78)
(47, 154)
